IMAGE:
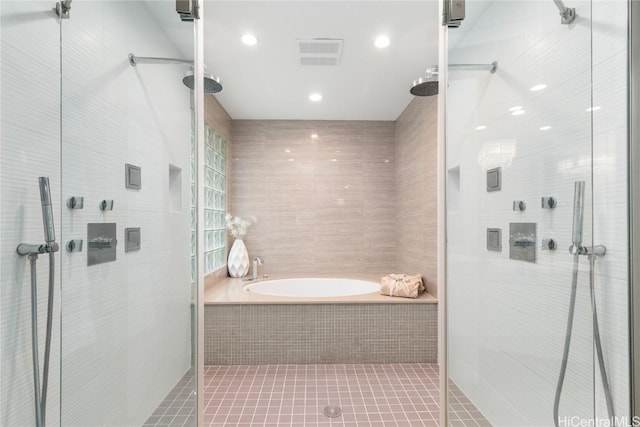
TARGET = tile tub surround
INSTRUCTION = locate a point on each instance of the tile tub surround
(324, 205)
(232, 291)
(415, 173)
(302, 333)
(358, 198)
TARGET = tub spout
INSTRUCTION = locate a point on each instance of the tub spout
(256, 262)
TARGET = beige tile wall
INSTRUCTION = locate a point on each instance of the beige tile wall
(372, 209)
(415, 169)
(217, 117)
(326, 205)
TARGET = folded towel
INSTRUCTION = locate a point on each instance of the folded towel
(402, 285)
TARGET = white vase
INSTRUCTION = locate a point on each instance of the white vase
(238, 262)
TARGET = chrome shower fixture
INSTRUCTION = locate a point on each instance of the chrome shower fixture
(32, 251)
(592, 253)
(63, 9)
(578, 214)
(567, 14)
(211, 82)
(427, 85)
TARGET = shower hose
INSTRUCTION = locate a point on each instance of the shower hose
(596, 338)
(41, 395)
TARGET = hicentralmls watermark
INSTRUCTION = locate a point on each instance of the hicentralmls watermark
(598, 422)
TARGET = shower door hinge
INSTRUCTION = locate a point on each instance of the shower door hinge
(453, 13)
(188, 10)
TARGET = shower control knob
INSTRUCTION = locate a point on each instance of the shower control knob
(549, 245)
(106, 205)
(519, 205)
(74, 246)
(75, 202)
(548, 203)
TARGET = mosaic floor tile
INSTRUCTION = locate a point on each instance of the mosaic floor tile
(402, 395)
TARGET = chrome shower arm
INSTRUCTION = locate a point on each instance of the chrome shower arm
(568, 14)
(135, 60)
(492, 68)
(211, 82)
(428, 84)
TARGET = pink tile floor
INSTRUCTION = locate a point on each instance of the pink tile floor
(295, 395)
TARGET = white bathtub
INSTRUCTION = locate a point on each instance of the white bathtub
(313, 287)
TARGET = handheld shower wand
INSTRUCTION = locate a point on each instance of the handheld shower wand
(50, 244)
(578, 217)
(576, 247)
(32, 251)
(47, 211)
(592, 252)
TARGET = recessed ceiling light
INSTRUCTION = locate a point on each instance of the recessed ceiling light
(249, 39)
(291, 160)
(287, 151)
(518, 113)
(538, 87)
(481, 127)
(314, 136)
(315, 97)
(516, 108)
(334, 160)
(595, 108)
(545, 128)
(382, 41)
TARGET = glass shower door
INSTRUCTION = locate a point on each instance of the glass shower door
(520, 181)
(128, 307)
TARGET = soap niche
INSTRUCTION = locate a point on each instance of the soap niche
(453, 189)
(175, 189)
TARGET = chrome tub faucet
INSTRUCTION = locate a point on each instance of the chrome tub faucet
(256, 262)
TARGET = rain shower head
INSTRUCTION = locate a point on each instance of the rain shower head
(211, 82)
(427, 85)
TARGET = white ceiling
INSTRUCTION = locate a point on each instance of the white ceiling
(266, 81)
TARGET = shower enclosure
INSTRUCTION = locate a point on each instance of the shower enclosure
(537, 215)
(118, 145)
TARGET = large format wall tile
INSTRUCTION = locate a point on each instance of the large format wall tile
(323, 205)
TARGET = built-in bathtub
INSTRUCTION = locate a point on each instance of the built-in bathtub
(243, 326)
(315, 287)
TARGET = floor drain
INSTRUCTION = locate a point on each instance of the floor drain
(332, 411)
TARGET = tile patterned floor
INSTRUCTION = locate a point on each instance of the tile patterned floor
(178, 408)
(463, 413)
(295, 395)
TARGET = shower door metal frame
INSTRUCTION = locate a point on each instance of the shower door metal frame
(441, 153)
(198, 94)
(633, 127)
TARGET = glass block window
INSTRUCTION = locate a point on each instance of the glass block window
(215, 203)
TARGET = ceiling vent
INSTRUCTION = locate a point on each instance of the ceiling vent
(320, 51)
